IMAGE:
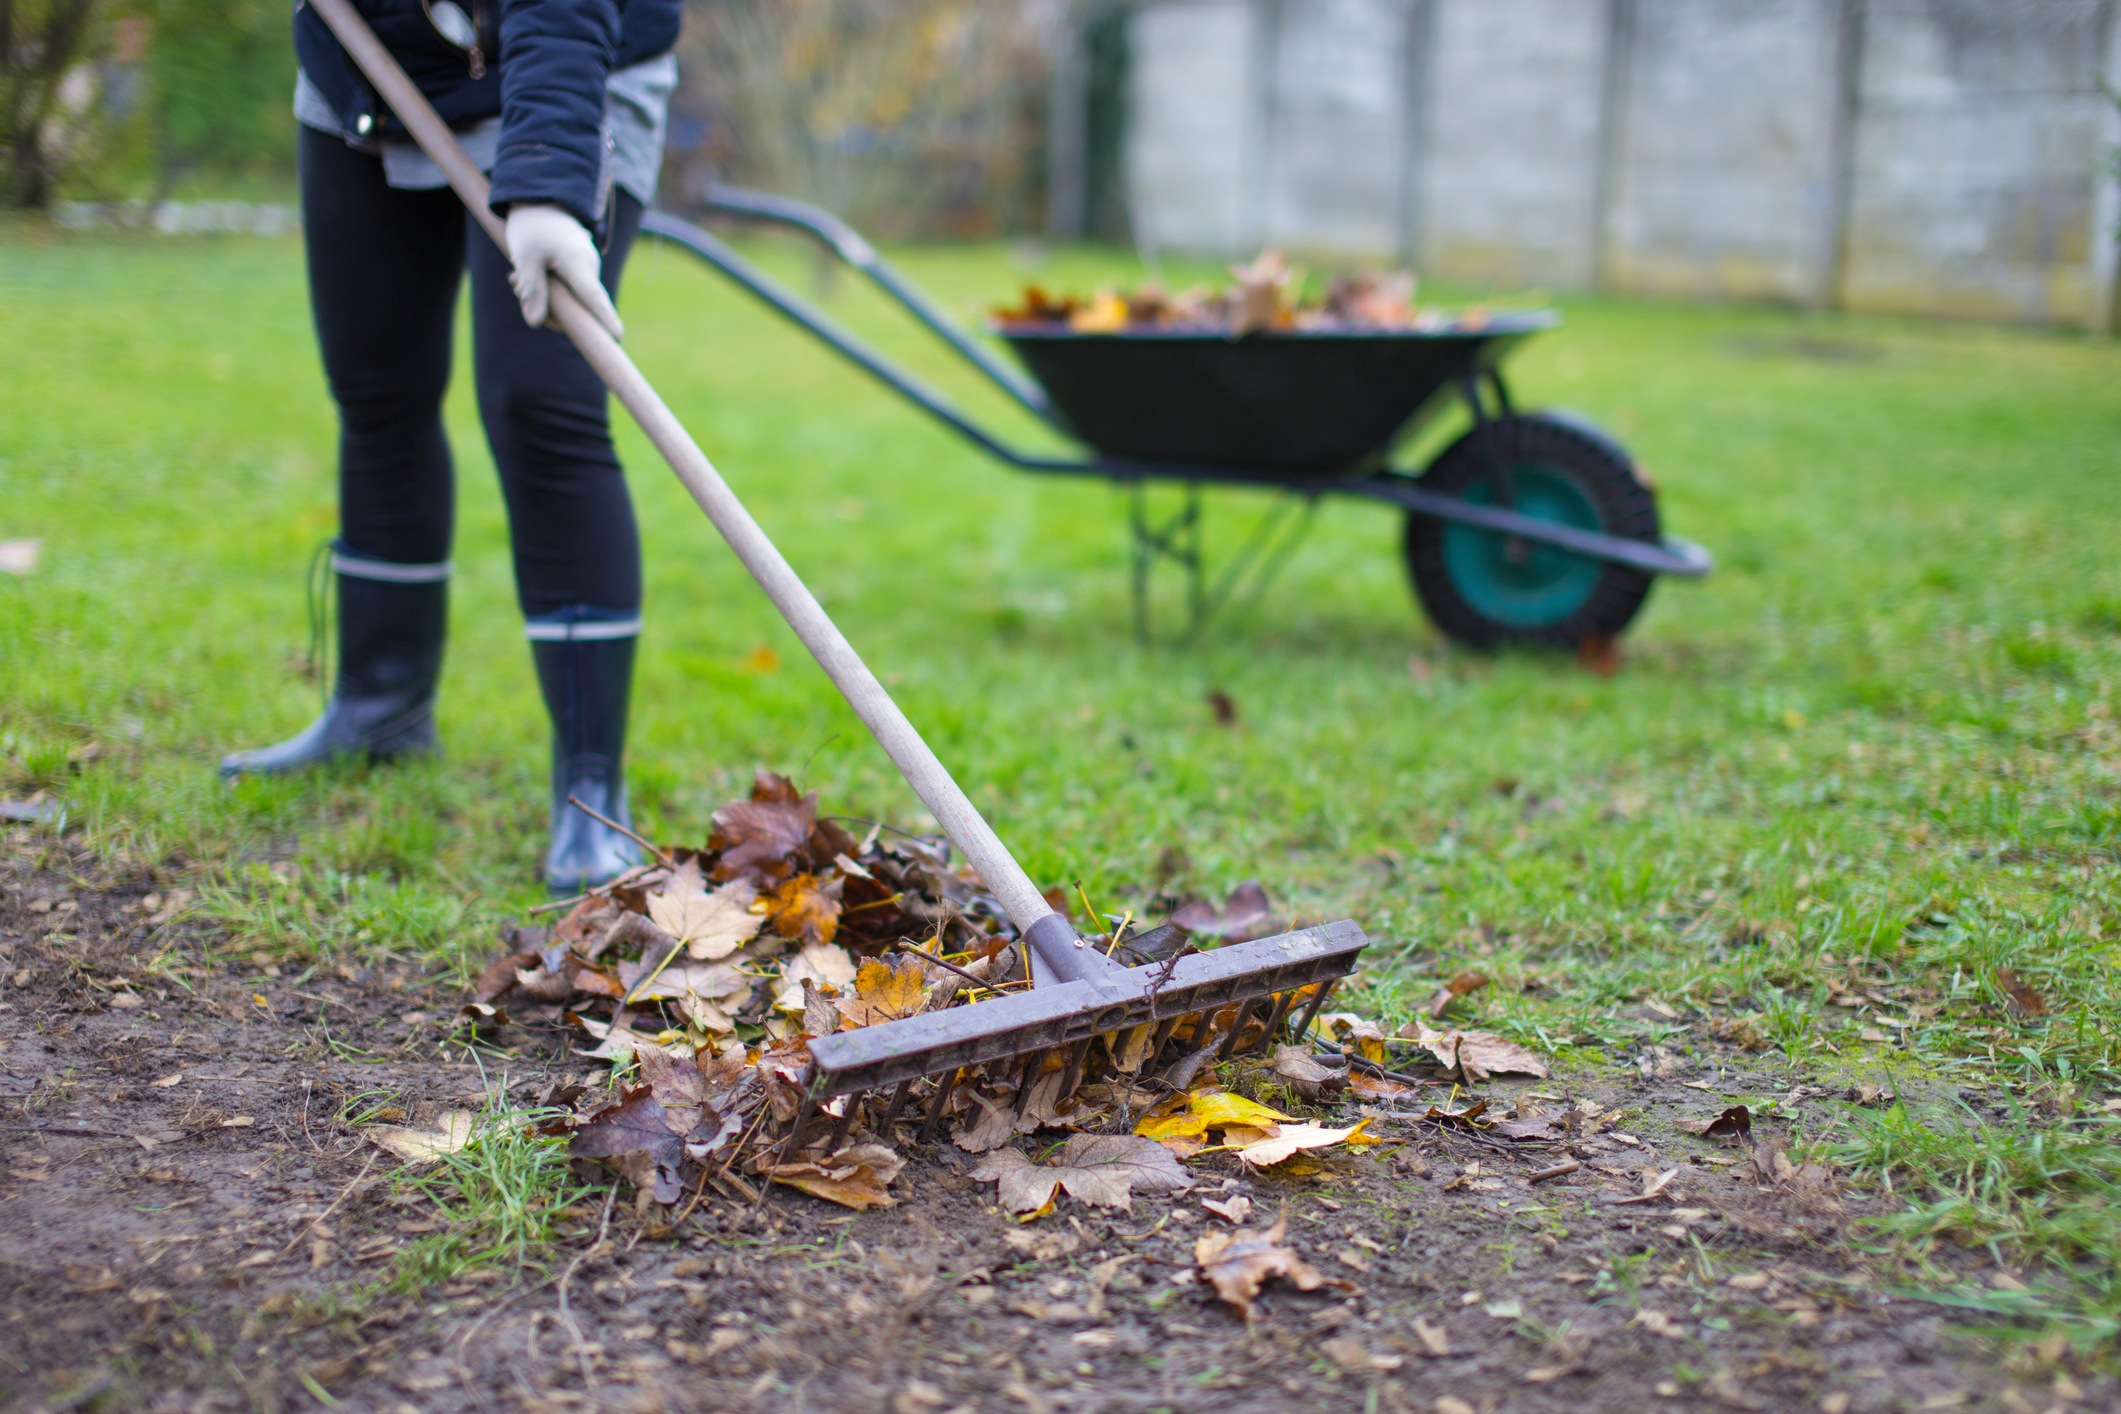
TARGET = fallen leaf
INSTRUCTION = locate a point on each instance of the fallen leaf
(1476, 1055)
(855, 1177)
(1103, 1170)
(1364, 1086)
(1042, 1246)
(421, 1146)
(1658, 1323)
(885, 993)
(1354, 1356)
(757, 836)
(1734, 1123)
(801, 908)
(1237, 1264)
(710, 926)
(1653, 1186)
(635, 1138)
(1291, 1138)
(1233, 1210)
(826, 964)
(1355, 1035)
(2025, 1003)
(1464, 984)
(1310, 1079)
(1432, 1338)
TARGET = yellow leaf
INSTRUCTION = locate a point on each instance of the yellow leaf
(1107, 314)
(1221, 1109)
(884, 993)
(1183, 1125)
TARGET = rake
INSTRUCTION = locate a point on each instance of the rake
(1079, 994)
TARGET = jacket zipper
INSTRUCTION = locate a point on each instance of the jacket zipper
(474, 56)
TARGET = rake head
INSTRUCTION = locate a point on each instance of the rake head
(1080, 997)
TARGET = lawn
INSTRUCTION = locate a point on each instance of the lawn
(1832, 790)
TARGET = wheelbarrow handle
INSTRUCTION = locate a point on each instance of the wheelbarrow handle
(1048, 931)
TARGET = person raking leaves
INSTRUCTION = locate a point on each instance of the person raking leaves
(564, 103)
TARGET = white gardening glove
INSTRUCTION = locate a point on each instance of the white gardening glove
(545, 240)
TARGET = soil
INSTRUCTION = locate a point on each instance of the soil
(189, 1221)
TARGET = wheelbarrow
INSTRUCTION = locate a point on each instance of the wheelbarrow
(1531, 529)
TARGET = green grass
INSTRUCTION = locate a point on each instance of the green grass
(1876, 752)
(501, 1200)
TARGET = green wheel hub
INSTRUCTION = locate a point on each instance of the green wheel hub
(1523, 585)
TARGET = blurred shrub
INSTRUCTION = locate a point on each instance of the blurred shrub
(909, 117)
(114, 97)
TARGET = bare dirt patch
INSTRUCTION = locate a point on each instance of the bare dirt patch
(191, 1217)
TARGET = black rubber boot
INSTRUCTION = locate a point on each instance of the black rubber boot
(587, 678)
(392, 619)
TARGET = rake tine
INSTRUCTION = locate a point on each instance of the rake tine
(1074, 1072)
(802, 1122)
(1237, 1029)
(839, 1131)
(1161, 1039)
(1282, 1003)
(1311, 1011)
(1034, 1062)
(935, 1106)
(898, 1102)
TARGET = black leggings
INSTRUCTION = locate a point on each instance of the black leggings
(383, 271)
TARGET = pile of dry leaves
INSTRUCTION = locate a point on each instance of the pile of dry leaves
(704, 975)
(1265, 294)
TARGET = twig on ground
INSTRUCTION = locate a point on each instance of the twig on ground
(1555, 1171)
(925, 956)
(344, 1194)
(601, 819)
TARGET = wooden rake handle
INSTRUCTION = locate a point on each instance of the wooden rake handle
(960, 819)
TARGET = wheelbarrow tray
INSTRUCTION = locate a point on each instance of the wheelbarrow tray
(1279, 404)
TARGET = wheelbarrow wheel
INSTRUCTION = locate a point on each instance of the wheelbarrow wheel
(1487, 590)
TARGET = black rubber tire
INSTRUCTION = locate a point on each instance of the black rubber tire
(1599, 470)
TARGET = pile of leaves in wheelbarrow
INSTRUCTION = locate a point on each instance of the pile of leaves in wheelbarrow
(703, 975)
(1267, 294)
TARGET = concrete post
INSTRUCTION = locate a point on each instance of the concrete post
(2105, 313)
(1841, 153)
(1612, 133)
(1416, 94)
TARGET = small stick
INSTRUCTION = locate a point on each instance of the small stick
(968, 975)
(576, 802)
(1370, 1067)
(558, 904)
(1555, 1171)
(344, 1194)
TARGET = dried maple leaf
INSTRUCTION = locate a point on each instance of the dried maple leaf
(1237, 1264)
(635, 1139)
(886, 993)
(452, 1132)
(757, 836)
(800, 907)
(823, 963)
(1103, 1170)
(709, 925)
(715, 981)
(1476, 1055)
(1233, 1210)
(855, 1177)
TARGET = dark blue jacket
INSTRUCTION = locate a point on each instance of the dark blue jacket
(547, 85)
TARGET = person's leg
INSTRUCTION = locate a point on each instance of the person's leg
(384, 266)
(577, 550)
